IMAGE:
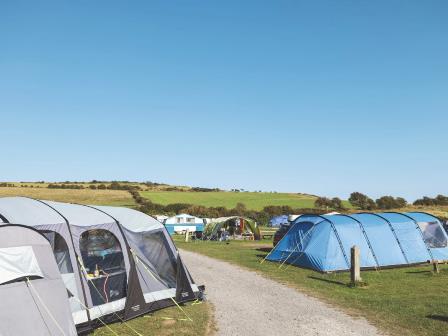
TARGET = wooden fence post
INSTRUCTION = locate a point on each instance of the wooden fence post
(436, 266)
(355, 269)
(187, 235)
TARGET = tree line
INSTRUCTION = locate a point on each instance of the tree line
(364, 202)
(112, 186)
(428, 201)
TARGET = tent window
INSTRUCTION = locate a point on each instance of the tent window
(103, 259)
(433, 234)
(18, 263)
(156, 249)
(60, 251)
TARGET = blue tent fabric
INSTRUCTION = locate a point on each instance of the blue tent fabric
(278, 220)
(323, 242)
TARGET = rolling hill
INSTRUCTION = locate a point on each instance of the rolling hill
(252, 200)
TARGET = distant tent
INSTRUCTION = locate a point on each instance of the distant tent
(34, 300)
(234, 225)
(278, 220)
(183, 222)
(323, 242)
(118, 263)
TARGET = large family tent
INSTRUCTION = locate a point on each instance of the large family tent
(34, 300)
(117, 263)
(323, 242)
(234, 225)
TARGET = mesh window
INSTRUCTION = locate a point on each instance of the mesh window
(433, 234)
(60, 250)
(155, 248)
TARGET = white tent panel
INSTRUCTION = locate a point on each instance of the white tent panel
(18, 262)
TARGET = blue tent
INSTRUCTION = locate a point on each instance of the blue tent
(278, 220)
(323, 242)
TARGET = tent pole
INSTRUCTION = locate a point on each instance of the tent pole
(393, 232)
(419, 230)
(365, 237)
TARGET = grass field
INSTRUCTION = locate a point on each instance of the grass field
(252, 200)
(404, 301)
(166, 322)
(438, 211)
(83, 196)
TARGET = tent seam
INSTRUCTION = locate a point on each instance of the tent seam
(333, 226)
(4, 219)
(365, 236)
(393, 232)
(419, 230)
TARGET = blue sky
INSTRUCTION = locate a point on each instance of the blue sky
(324, 97)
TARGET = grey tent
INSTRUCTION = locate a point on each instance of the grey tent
(34, 300)
(117, 262)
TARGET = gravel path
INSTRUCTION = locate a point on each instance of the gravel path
(249, 304)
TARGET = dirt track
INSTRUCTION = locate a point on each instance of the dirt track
(249, 304)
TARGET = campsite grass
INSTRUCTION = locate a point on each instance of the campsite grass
(252, 200)
(166, 322)
(401, 301)
(82, 196)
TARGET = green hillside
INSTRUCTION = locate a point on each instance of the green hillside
(82, 196)
(252, 200)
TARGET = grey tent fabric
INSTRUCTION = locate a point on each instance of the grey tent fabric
(132, 220)
(40, 305)
(153, 250)
(105, 255)
(37, 214)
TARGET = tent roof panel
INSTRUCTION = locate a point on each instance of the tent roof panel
(80, 215)
(422, 217)
(132, 220)
(27, 211)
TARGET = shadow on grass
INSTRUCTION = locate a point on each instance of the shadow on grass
(334, 282)
(264, 249)
(418, 272)
(438, 317)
